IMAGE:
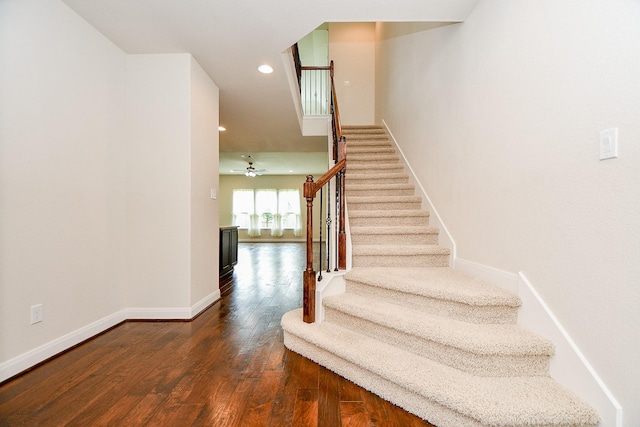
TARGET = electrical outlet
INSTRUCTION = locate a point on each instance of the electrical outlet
(36, 313)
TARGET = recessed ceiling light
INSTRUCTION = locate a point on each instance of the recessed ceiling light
(265, 69)
(222, 128)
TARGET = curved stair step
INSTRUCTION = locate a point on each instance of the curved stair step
(479, 349)
(444, 396)
(440, 291)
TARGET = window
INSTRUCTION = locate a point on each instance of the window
(242, 207)
(276, 210)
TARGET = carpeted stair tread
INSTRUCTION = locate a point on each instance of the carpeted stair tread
(376, 187)
(398, 189)
(513, 401)
(407, 250)
(487, 339)
(356, 128)
(435, 282)
(372, 158)
(402, 230)
(382, 213)
(368, 141)
(364, 149)
(368, 136)
(384, 199)
(382, 176)
(367, 168)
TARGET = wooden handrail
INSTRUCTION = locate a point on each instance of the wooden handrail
(310, 190)
(315, 186)
(336, 110)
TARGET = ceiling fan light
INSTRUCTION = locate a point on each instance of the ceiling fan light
(250, 174)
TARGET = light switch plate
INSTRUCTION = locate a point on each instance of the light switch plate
(609, 144)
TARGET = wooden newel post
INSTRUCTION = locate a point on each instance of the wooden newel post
(309, 276)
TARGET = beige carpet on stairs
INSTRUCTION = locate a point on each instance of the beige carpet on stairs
(443, 345)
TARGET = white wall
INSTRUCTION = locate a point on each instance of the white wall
(500, 117)
(106, 166)
(159, 159)
(352, 48)
(314, 48)
(62, 175)
(204, 177)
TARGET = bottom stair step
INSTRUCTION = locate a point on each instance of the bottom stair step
(442, 395)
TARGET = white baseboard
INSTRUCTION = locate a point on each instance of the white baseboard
(205, 302)
(332, 283)
(568, 366)
(503, 279)
(39, 354)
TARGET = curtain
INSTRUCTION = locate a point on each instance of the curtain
(289, 204)
(276, 210)
(276, 227)
(254, 226)
(242, 207)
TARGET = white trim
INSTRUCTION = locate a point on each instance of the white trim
(568, 366)
(39, 354)
(168, 313)
(445, 238)
(205, 302)
(332, 283)
(501, 278)
(292, 79)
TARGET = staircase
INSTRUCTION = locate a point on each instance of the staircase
(440, 344)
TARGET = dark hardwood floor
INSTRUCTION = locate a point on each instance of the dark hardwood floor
(227, 367)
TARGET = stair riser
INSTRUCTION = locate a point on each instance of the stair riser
(365, 170)
(426, 260)
(459, 311)
(381, 205)
(355, 150)
(394, 239)
(357, 158)
(376, 130)
(381, 192)
(366, 137)
(476, 364)
(387, 221)
(361, 179)
(371, 144)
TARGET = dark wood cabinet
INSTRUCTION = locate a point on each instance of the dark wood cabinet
(228, 249)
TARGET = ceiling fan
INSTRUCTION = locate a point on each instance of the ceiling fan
(250, 171)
